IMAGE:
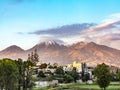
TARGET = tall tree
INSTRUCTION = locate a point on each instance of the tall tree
(103, 75)
(27, 74)
(9, 74)
(36, 56)
(1, 75)
(86, 77)
(33, 57)
(29, 57)
(118, 75)
(84, 71)
(19, 64)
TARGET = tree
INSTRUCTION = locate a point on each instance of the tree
(55, 65)
(84, 70)
(8, 74)
(1, 75)
(19, 64)
(36, 56)
(118, 76)
(43, 66)
(33, 57)
(86, 77)
(103, 75)
(114, 77)
(74, 74)
(59, 74)
(59, 70)
(52, 66)
(41, 74)
(84, 74)
(68, 78)
(27, 74)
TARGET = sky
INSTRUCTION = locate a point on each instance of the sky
(27, 22)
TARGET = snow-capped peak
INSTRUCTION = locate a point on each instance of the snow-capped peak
(47, 41)
(51, 41)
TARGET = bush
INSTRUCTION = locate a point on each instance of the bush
(41, 74)
(86, 77)
(60, 80)
(49, 78)
(68, 78)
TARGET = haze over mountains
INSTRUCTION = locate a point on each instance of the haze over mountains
(53, 52)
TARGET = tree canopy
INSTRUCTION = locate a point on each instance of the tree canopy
(103, 75)
(8, 74)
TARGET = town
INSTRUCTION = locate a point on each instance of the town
(36, 74)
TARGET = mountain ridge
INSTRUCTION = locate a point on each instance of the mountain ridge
(90, 53)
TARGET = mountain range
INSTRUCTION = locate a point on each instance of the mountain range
(52, 52)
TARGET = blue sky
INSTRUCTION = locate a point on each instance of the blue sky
(24, 16)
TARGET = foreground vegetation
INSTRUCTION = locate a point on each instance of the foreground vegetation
(15, 74)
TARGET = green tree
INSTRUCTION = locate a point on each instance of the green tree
(1, 75)
(36, 56)
(55, 65)
(43, 66)
(118, 75)
(103, 75)
(41, 74)
(59, 74)
(33, 57)
(19, 64)
(84, 68)
(52, 67)
(8, 74)
(59, 70)
(75, 74)
(86, 77)
(68, 78)
(27, 74)
(114, 77)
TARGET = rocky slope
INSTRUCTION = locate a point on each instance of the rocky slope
(52, 52)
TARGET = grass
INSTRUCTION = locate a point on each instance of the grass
(92, 87)
(77, 86)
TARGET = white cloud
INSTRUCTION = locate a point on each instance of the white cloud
(106, 33)
(112, 18)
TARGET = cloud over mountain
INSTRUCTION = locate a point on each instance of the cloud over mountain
(113, 37)
(51, 40)
(106, 33)
(105, 26)
(65, 31)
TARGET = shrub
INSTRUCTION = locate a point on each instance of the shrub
(68, 78)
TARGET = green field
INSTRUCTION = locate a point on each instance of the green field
(79, 87)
